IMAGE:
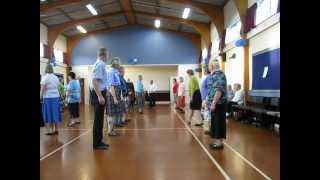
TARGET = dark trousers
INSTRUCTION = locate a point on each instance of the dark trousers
(229, 107)
(98, 118)
(218, 122)
(152, 99)
(73, 109)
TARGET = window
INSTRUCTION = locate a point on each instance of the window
(233, 32)
(58, 55)
(215, 46)
(265, 9)
(41, 50)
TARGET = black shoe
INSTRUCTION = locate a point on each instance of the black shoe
(215, 146)
(199, 124)
(207, 132)
(104, 144)
(100, 147)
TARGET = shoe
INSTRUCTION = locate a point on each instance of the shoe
(189, 123)
(207, 132)
(100, 147)
(199, 124)
(56, 132)
(215, 146)
(50, 133)
(71, 124)
(127, 120)
(104, 144)
(113, 134)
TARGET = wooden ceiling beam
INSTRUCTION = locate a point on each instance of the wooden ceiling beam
(44, 8)
(127, 7)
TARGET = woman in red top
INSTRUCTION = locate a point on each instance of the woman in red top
(175, 92)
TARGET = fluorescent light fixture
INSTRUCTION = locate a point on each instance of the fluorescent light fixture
(81, 29)
(91, 9)
(185, 13)
(157, 23)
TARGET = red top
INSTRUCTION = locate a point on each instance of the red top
(175, 87)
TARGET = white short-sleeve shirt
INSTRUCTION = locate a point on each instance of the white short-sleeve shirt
(51, 83)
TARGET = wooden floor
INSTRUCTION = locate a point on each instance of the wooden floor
(158, 146)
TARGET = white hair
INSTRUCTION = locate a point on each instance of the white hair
(215, 64)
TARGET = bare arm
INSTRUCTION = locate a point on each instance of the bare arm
(113, 93)
(216, 98)
(42, 91)
(97, 91)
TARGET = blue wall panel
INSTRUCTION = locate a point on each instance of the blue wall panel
(148, 45)
(272, 60)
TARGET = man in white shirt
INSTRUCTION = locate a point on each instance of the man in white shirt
(237, 99)
(238, 95)
(152, 88)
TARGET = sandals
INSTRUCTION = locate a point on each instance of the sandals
(71, 124)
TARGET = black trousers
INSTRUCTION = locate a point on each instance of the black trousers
(229, 106)
(218, 122)
(152, 99)
(98, 118)
(73, 109)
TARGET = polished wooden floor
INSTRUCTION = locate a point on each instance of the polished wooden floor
(158, 146)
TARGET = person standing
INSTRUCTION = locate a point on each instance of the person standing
(131, 95)
(50, 96)
(175, 92)
(216, 101)
(99, 86)
(124, 97)
(151, 94)
(113, 108)
(204, 92)
(181, 95)
(140, 94)
(195, 98)
(230, 95)
(41, 117)
(73, 99)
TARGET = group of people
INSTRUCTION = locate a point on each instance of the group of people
(52, 96)
(113, 95)
(210, 100)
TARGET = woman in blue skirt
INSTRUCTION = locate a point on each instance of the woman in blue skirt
(50, 96)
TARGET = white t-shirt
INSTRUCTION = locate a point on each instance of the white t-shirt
(181, 89)
(51, 83)
(152, 88)
(238, 97)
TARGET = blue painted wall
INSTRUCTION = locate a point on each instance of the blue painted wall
(272, 80)
(148, 45)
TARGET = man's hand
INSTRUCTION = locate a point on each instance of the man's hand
(213, 106)
(115, 101)
(101, 100)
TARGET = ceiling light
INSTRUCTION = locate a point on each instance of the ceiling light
(81, 29)
(185, 13)
(157, 23)
(91, 9)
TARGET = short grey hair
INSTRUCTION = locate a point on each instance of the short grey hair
(215, 64)
(49, 69)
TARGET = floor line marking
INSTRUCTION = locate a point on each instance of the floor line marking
(64, 145)
(243, 158)
(247, 161)
(45, 130)
(151, 129)
(226, 176)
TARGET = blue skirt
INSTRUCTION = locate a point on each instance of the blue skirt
(51, 110)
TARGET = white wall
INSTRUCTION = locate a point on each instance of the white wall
(230, 13)
(43, 34)
(61, 43)
(234, 68)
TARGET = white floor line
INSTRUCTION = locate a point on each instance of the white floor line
(45, 130)
(226, 176)
(64, 145)
(151, 129)
(247, 161)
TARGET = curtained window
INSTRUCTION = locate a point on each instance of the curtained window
(266, 9)
(46, 51)
(233, 32)
(250, 18)
(222, 43)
